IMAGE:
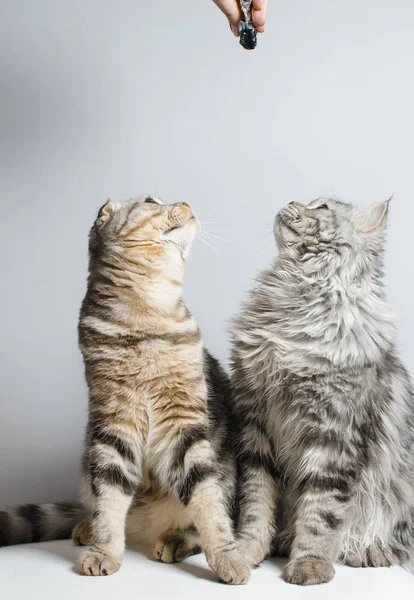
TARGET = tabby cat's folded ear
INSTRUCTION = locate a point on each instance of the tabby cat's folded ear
(105, 212)
(374, 218)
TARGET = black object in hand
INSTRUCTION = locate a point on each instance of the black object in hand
(248, 37)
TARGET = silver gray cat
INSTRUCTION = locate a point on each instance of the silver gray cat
(327, 454)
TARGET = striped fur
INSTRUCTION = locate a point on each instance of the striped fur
(327, 408)
(158, 455)
(39, 522)
(159, 460)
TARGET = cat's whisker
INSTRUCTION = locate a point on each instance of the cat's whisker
(214, 229)
(209, 245)
(216, 238)
(213, 238)
(262, 240)
(203, 239)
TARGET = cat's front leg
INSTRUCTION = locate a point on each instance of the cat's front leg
(111, 474)
(321, 514)
(192, 469)
(207, 504)
(259, 493)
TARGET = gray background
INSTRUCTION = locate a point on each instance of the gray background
(103, 98)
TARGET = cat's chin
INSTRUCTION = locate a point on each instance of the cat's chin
(285, 235)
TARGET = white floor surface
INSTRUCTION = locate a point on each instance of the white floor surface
(46, 572)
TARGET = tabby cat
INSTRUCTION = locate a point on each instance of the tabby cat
(327, 407)
(159, 456)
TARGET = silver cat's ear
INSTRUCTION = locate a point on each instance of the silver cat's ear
(374, 218)
(105, 212)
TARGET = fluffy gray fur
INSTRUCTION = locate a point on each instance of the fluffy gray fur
(327, 406)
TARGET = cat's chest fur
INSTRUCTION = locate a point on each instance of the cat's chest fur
(307, 326)
(302, 410)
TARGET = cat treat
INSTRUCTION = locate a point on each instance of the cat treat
(248, 33)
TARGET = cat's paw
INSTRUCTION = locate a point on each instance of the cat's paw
(230, 567)
(81, 534)
(308, 571)
(96, 563)
(252, 551)
(375, 556)
(173, 547)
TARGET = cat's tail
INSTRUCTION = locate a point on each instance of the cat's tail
(39, 522)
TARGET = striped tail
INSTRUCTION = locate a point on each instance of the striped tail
(39, 522)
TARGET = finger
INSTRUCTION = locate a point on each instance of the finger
(235, 30)
(259, 16)
(258, 4)
(231, 8)
(261, 29)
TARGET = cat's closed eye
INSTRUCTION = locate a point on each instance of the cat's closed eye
(150, 201)
(325, 206)
(172, 229)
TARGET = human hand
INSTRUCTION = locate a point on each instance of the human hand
(232, 10)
